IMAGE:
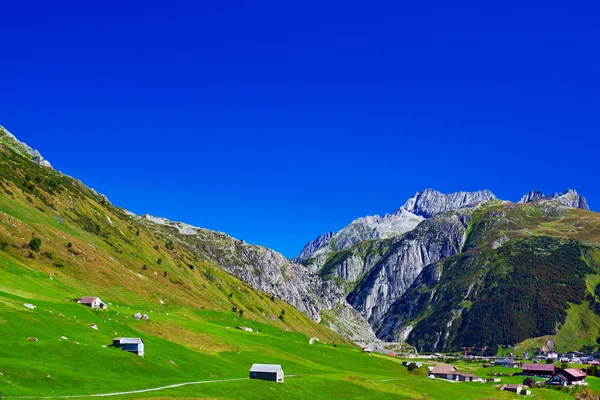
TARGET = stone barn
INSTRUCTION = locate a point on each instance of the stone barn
(267, 372)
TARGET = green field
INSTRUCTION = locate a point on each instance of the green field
(87, 247)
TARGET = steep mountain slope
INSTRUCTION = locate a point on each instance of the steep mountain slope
(259, 267)
(375, 271)
(422, 205)
(9, 140)
(521, 269)
(395, 282)
(60, 240)
(365, 228)
(270, 272)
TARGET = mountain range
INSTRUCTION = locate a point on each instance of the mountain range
(441, 272)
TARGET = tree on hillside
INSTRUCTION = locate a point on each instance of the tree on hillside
(35, 244)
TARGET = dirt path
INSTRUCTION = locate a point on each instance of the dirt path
(125, 393)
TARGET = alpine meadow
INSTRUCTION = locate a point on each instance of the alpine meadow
(458, 279)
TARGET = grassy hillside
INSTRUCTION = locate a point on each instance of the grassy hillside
(60, 241)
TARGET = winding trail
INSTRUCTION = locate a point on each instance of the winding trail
(125, 393)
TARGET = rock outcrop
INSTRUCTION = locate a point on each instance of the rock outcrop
(429, 202)
(422, 205)
(366, 228)
(313, 246)
(569, 198)
(22, 148)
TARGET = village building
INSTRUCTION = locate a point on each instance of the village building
(468, 377)
(267, 372)
(132, 345)
(545, 370)
(518, 389)
(529, 382)
(444, 372)
(569, 377)
(507, 363)
(93, 302)
(450, 373)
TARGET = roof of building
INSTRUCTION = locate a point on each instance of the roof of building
(88, 299)
(574, 372)
(266, 368)
(468, 374)
(129, 340)
(539, 367)
(512, 386)
(443, 369)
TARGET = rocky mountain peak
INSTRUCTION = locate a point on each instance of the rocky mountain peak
(21, 148)
(429, 202)
(314, 245)
(569, 198)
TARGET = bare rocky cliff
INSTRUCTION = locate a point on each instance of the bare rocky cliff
(434, 239)
(569, 198)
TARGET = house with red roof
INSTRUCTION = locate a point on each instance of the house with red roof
(569, 377)
(444, 371)
(450, 373)
(93, 302)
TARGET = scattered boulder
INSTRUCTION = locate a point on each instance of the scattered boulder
(63, 338)
(32, 339)
(145, 317)
(30, 306)
(94, 326)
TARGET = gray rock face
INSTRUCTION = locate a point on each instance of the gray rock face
(314, 245)
(433, 240)
(392, 326)
(422, 205)
(569, 198)
(271, 272)
(361, 229)
(22, 148)
(534, 195)
(430, 202)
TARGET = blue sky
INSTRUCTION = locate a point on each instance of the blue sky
(275, 122)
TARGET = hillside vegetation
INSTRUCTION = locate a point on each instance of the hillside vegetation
(60, 241)
(525, 271)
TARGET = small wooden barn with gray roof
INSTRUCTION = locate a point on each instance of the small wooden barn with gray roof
(267, 372)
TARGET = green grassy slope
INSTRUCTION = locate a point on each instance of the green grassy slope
(89, 247)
